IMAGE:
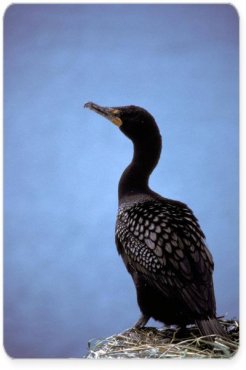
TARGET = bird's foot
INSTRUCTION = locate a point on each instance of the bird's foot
(182, 332)
(142, 321)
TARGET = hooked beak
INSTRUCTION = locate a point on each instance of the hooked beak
(111, 114)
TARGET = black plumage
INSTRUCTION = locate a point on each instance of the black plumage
(160, 240)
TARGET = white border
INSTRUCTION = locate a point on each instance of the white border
(239, 359)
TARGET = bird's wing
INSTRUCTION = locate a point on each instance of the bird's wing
(163, 242)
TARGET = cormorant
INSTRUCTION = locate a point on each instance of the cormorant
(159, 239)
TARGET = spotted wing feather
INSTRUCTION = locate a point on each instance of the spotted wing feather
(164, 243)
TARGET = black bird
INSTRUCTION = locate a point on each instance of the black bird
(159, 239)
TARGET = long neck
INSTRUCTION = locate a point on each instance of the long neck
(135, 178)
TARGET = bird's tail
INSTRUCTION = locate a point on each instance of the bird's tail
(210, 327)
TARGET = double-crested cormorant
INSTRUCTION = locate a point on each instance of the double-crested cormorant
(159, 239)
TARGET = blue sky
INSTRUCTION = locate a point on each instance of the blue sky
(64, 282)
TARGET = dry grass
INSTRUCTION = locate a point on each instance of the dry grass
(166, 343)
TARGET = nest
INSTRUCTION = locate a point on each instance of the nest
(167, 343)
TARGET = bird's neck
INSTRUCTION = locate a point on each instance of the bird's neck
(135, 178)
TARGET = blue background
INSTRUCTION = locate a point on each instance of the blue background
(64, 282)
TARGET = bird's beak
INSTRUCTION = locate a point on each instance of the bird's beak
(110, 113)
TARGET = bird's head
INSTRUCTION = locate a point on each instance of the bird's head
(134, 122)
